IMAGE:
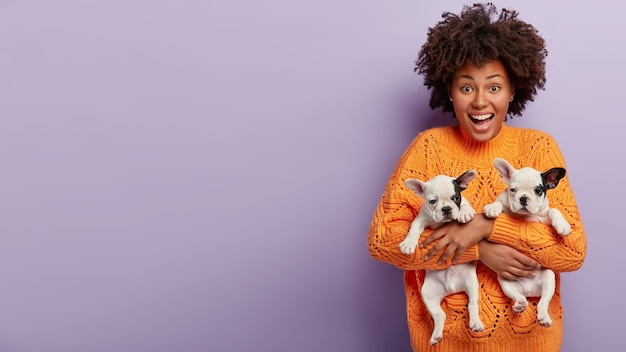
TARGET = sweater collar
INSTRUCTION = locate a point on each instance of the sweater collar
(499, 146)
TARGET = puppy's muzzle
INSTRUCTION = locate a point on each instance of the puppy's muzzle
(447, 212)
(523, 201)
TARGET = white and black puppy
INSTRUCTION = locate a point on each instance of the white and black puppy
(526, 197)
(444, 203)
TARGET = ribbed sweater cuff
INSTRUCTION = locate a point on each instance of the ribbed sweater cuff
(503, 229)
(469, 255)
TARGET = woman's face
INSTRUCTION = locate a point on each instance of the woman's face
(481, 97)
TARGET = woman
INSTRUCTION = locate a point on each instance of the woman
(482, 65)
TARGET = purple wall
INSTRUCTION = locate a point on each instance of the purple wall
(182, 175)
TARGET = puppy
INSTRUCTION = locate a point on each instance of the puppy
(526, 197)
(443, 203)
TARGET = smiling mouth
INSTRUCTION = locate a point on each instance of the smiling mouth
(481, 118)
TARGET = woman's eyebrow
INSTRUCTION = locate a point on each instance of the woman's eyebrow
(495, 75)
(468, 77)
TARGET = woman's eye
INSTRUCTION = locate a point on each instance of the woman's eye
(466, 89)
(495, 88)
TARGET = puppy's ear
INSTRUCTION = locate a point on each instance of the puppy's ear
(465, 179)
(504, 168)
(416, 186)
(552, 177)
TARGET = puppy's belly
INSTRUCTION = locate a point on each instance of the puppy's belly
(454, 278)
(527, 286)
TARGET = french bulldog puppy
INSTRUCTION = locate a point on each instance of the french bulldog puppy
(526, 197)
(444, 203)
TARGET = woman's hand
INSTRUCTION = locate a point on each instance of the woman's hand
(457, 238)
(507, 262)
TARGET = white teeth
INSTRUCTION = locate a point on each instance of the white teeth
(481, 117)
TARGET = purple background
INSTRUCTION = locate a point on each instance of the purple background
(182, 175)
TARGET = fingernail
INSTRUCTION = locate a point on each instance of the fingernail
(421, 245)
(425, 257)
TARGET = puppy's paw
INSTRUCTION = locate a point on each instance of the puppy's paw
(435, 339)
(477, 326)
(492, 210)
(559, 223)
(563, 228)
(408, 246)
(466, 214)
(544, 320)
(520, 306)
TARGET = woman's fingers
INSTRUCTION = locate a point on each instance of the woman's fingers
(506, 261)
(432, 237)
(436, 248)
(526, 262)
(446, 254)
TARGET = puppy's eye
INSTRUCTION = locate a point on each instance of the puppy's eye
(538, 191)
(456, 198)
(512, 190)
(432, 201)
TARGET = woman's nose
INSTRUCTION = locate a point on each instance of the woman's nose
(480, 99)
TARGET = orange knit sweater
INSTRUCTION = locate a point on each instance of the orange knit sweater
(448, 150)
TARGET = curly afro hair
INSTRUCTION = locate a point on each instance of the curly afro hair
(478, 35)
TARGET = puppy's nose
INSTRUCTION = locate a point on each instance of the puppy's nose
(446, 210)
(523, 200)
